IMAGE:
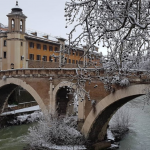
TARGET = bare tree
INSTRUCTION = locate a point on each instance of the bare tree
(102, 19)
(121, 26)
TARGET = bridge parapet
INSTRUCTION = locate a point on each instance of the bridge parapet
(44, 72)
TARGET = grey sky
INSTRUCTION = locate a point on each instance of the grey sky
(43, 15)
(46, 16)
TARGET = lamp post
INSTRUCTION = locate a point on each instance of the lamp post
(12, 66)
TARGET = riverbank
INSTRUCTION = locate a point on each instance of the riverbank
(20, 116)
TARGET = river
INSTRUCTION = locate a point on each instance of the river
(138, 138)
(10, 137)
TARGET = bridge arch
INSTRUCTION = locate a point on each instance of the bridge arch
(7, 87)
(95, 125)
(56, 89)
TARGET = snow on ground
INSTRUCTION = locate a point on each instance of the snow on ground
(110, 136)
(30, 117)
(10, 106)
(75, 147)
(33, 108)
(113, 146)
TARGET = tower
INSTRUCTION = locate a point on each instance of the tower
(16, 42)
(16, 20)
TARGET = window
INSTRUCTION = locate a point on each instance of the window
(21, 24)
(38, 46)
(21, 43)
(50, 58)
(38, 57)
(73, 52)
(50, 48)
(31, 45)
(4, 54)
(4, 42)
(76, 61)
(13, 24)
(31, 56)
(44, 47)
(56, 48)
(70, 61)
(81, 62)
(76, 53)
(44, 58)
(73, 61)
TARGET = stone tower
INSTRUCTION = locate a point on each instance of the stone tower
(16, 42)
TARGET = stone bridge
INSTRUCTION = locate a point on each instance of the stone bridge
(47, 86)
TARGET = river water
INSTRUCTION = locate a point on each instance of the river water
(10, 138)
(138, 137)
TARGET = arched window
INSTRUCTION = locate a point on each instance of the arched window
(12, 24)
(21, 25)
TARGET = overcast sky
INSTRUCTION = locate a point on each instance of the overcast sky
(46, 16)
(43, 15)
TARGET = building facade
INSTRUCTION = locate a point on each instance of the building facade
(22, 49)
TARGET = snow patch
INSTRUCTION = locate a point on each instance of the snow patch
(113, 146)
(27, 118)
(75, 147)
(33, 108)
(110, 135)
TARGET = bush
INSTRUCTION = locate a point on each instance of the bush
(51, 130)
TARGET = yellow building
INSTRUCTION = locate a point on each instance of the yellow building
(22, 49)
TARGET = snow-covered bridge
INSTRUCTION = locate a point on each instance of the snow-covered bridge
(48, 87)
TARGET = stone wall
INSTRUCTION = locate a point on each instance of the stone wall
(45, 64)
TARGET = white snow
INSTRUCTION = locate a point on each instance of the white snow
(113, 146)
(75, 147)
(110, 135)
(30, 117)
(33, 108)
(11, 106)
(22, 118)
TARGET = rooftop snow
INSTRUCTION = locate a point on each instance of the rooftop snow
(40, 36)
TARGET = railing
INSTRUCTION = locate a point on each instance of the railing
(21, 106)
(36, 72)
